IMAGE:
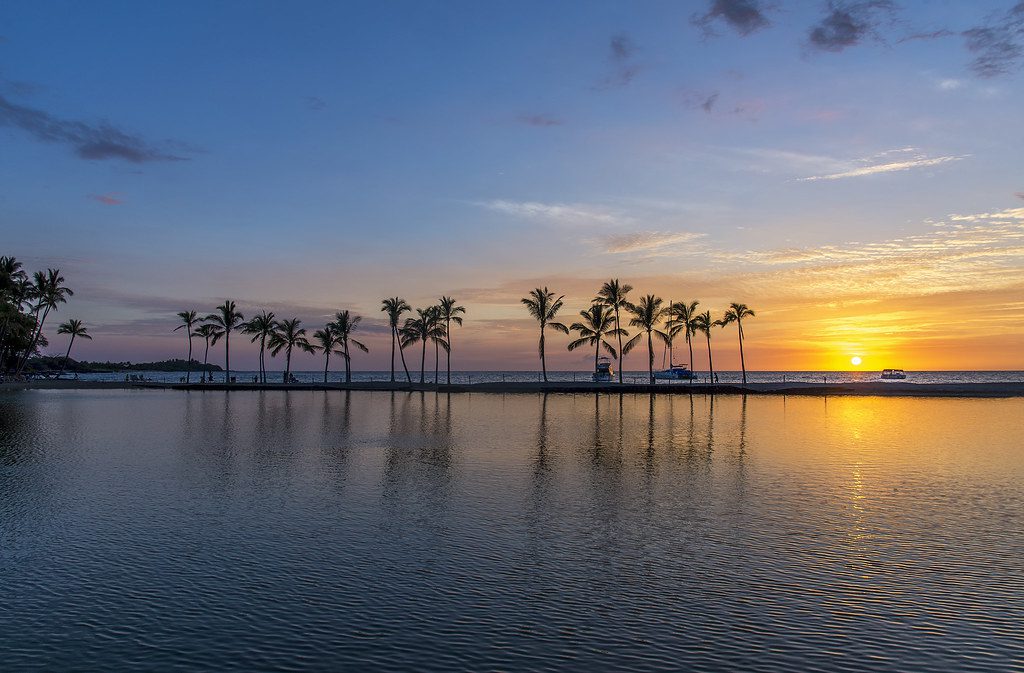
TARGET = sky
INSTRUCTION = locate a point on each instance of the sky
(850, 170)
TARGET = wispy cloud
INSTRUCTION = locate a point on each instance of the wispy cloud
(887, 167)
(107, 199)
(565, 213)
(89, 141)
(998, 45)
(541, 120)
(646, 241)
(847, 24)
(743, 16)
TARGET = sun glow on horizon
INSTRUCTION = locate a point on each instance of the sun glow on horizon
(856, 360)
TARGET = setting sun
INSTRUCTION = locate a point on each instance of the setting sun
(855, 360)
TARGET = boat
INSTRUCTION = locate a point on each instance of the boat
(675, 373)
(603, 372)
(893, 374)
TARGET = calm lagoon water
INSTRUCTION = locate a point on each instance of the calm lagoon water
(162, 530)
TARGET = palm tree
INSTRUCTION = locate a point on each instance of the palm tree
(647, 314)
(702, 322)
(736, 313)
(326, 341)
(450, 311)
(395, 307)
(76, 329)
(50, 292)
(287, 336)
(344, 324)
(12, 279)
(426, 327)
(212, 334)
(682, 315)
(598, 323)
(228, 318)
(188, 322)
(613, 294)
(543, 306)
(261, 327)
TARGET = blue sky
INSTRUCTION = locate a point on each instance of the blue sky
(309, 157)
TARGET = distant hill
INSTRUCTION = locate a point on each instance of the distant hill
(53, 363)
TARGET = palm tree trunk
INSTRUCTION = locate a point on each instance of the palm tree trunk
(66, 356)
(543, 363)
(206, 360)
(188, 368)
(327, 362)
(448, 352)
(650, 356)
(401, 352)
(689, 344)
(423, 361)
(743, 365)
(287, 364)
(711, 366)
(227, 355)
(597, 353)
(622, 356)
(393, 335)
(437, 356)
(348, 365)
(35, 339)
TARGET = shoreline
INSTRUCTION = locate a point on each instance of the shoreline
(859, 389)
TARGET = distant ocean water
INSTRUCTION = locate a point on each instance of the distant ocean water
(629, 376)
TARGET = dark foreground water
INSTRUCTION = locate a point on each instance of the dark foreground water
(153, 530)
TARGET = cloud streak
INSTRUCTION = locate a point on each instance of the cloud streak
(96, 142)
(563, 213)
(888, 167)
(646, 241)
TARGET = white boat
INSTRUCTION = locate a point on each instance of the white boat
(603, 373)
(892, 374)
(675, 373)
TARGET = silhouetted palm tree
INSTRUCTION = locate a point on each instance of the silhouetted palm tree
(50, 293)
(613, 294)
(425, 327)
(286, 337)
(326, 341)
(598, 323)
(682, 314)
(261, 327)
(702, 322)
(189, 320)
(227, 318)
(344, 325)
(450, 311)
(76, 329)
(736, 313)
(543, 306)
(395, 307)
(647, 315)
(212, 334)
(14, 285)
